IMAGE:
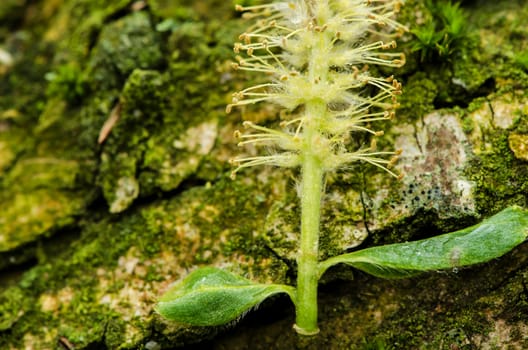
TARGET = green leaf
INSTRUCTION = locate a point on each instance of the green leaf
(488, 240)
(210, 296)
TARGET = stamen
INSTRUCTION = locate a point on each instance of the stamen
(274, 46)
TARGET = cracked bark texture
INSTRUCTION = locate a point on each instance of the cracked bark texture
(114, 183)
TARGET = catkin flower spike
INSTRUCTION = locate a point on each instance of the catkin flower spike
(279, 43)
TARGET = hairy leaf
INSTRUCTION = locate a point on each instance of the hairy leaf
(487, 240)
(210, 296)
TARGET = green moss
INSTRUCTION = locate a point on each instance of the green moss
(144, 97)
(11, 308)
(419, 97)
(66, 82)
(443, 35)
(13, 141)
(221, 215)
(148, 130)
(160, 105)
(27, 216)
(519, 145)
(282, 228)
(34, 173)
(522, 60)
(124, 45)
(40, 195)
(499, 176)
(453, 324)
(119, 183)
(470, 75)
(173, 81)
(189, 9)
(23, 85)
(156, 127)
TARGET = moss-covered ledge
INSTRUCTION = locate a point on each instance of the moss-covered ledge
(114, 183)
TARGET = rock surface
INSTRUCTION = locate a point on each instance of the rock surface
(114, 183)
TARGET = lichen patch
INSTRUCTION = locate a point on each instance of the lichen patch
(126, 190)
(55, 301)
(436, 153)
(6, 155)
(199, 139)
(506, 110)
(518, 144)
(480, 122)
(503, 335)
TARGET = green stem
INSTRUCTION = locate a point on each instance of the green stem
(308, 257)
(307, 261)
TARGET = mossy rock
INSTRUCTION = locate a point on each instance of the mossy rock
(114, 183)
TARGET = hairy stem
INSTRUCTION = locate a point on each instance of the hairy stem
(307, 261)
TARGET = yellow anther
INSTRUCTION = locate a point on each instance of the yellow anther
(390, 45)
(373, 145)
